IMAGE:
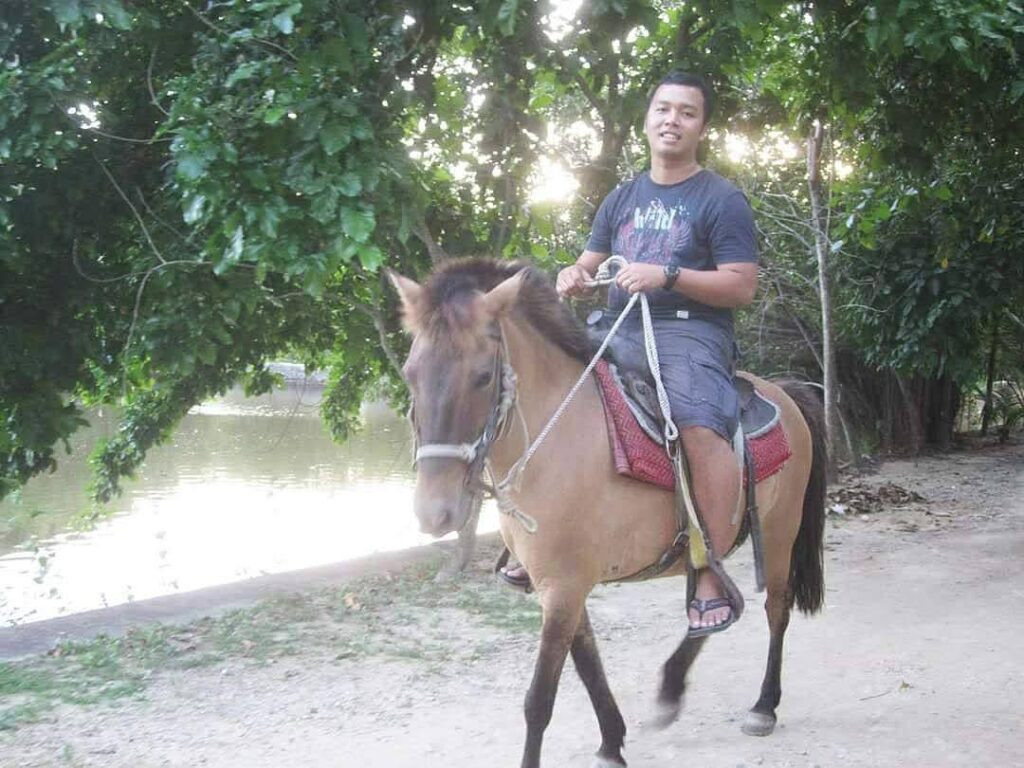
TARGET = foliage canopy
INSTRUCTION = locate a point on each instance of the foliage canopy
(188, 190)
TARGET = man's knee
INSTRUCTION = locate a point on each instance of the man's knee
(702, 442)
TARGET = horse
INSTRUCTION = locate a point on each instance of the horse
(473, 319)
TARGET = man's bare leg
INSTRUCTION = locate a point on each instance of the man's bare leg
(716, 489)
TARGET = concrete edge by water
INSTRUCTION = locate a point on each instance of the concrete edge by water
(41, 636)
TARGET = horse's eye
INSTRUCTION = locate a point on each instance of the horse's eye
(482, 379)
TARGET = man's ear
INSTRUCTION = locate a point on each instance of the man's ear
(411, 294)
(503, 296)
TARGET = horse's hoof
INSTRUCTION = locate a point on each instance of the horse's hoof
(666, 714)
(607, 762)
(758, 724)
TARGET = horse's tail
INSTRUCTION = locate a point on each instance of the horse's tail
(807, 568)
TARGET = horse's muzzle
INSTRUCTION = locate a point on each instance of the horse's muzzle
(442, 499)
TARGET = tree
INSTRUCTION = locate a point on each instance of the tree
(187, 190)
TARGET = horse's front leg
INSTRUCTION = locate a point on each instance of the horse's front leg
(588, 664)
(561, 617)
(673, 680)
(466, 544)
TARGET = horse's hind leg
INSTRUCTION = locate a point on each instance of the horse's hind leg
(760, 721)
(588, 664)
(561, 618)
(673, 680)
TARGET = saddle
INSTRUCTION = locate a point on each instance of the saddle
(758, 415)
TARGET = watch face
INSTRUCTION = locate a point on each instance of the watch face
(671, 274)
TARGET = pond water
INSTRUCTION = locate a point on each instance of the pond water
(245, 487)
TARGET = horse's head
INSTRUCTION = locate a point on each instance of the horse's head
(454, 373)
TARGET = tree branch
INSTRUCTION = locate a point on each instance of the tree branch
(138, 216)
(222, 31)
(149, 85)
(591, 97)
(382, 332)
(420, 229)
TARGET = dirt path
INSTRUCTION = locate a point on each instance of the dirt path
(915, 662)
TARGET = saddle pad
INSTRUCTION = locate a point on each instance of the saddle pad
(636, 455)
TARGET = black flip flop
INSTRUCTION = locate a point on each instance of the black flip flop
(703, 606)
(520, 580)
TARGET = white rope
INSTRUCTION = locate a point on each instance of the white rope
(514, 475)
(651, 347)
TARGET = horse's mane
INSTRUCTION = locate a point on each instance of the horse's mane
(455, 283)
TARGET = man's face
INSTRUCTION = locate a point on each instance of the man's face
(675, 121)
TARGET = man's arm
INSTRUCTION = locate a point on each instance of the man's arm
(729, 286)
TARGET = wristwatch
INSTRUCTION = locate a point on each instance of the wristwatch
(671, 275)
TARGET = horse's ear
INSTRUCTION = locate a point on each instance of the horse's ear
(411, 294)
(502, 296)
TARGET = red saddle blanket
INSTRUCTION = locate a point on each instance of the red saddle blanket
(638, 456)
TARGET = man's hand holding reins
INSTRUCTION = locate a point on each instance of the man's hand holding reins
(572, 281)
(638, 277)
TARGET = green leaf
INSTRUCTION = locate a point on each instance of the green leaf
(325, 204)
(507, 17)
(344, 249)
(207, 352)
(544, 226)
(1016, 91)
(273, 115)
(357, 224)
(268, 221)
(191, 167)
(114, 11)
(233, 252)
(959, 43)
(350, 184)
(243, 72)
(313, 281)
(66, 12)
(257, 177)
(872, 35)
(334, 138)
(370, 257)
(541, 100)
(194, 209)
(283, 21)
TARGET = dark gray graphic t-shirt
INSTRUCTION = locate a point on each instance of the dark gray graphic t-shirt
(699, 223)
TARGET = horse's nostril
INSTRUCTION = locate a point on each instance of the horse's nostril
(444, 518)
(436, 521)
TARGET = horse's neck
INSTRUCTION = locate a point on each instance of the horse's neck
(544, 376)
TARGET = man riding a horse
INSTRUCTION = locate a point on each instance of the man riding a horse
(499, 371)
(689, 238)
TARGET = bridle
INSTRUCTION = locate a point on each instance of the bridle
(474, 454)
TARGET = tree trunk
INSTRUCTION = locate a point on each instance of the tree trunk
(986, 411)
(821, 250)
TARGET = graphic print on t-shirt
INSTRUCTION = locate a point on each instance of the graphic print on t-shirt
(654, 234)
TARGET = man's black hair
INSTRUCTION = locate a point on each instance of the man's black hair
(679, 77)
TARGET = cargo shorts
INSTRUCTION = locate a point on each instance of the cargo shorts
(698, 360)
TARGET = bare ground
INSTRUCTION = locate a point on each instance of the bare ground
(914, 662)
